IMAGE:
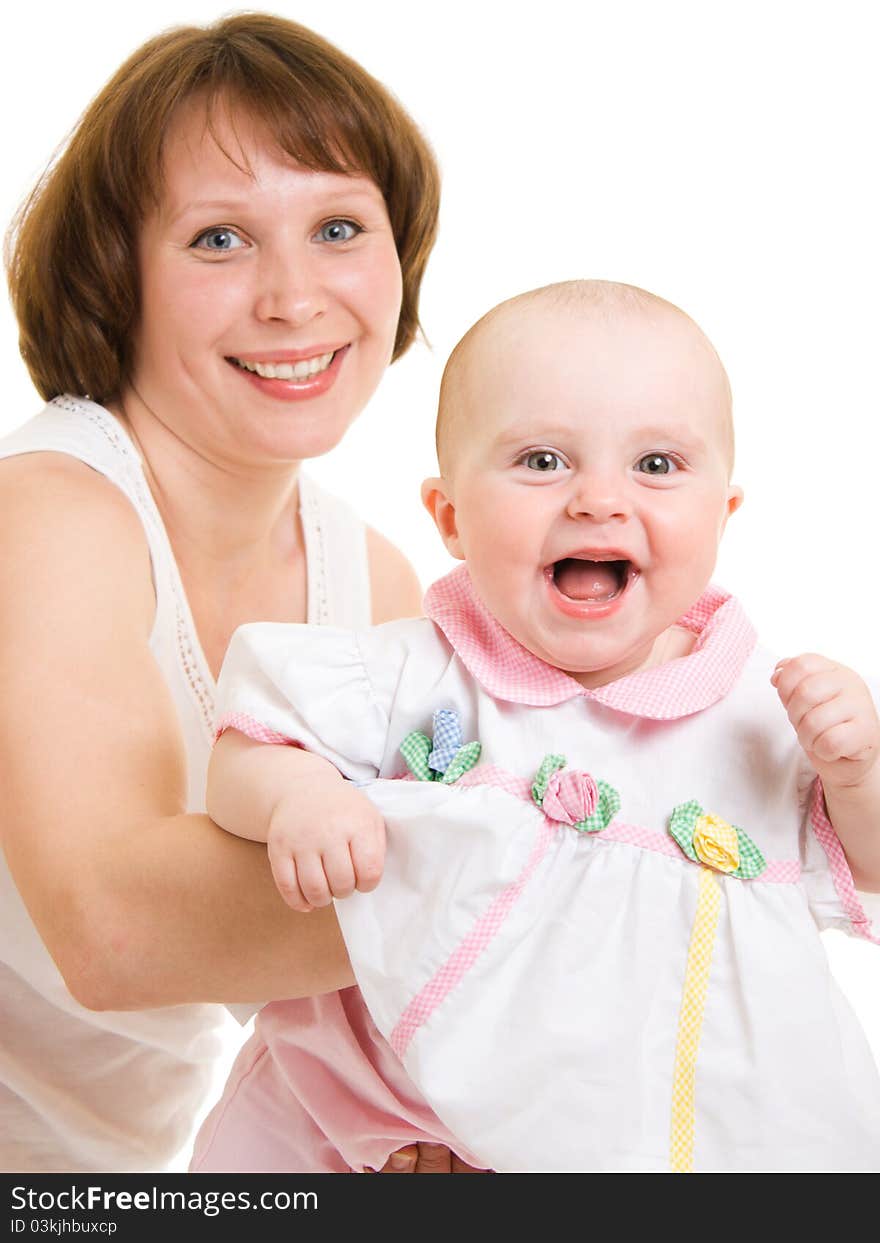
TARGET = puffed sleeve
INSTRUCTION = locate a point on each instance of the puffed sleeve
(307, 686)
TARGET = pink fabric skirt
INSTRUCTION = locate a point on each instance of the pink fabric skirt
(315, 1090)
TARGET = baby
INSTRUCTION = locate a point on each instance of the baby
(616, 826)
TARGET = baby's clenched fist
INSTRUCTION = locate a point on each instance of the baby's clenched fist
(324, 842)
(833, 714)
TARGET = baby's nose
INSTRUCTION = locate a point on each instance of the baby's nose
(600, 497)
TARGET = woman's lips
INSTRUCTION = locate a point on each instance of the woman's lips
(294, 389)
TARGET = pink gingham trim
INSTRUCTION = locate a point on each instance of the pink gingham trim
(253, 728)
(777, 872)
(507, 670)
(838, 866)
(463, 958)
(486, 928)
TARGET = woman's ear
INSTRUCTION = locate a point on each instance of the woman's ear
(437, 499)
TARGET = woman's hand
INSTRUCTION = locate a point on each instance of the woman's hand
(427, 1159)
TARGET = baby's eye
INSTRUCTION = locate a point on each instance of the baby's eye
(339, 231)
(218, 241)
(544, 461)
(656, 464)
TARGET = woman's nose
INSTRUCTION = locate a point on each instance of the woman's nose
(291, 290)
(601, 497)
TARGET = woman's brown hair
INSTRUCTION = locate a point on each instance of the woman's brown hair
(72, 252)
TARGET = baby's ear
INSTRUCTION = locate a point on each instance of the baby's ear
(437, 499)
(734, 499)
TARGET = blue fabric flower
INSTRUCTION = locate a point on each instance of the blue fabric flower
(447, 739)
(446, 757)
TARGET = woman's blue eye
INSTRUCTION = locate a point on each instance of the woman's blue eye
(544, 460)
(218, 241)
(339, 231)
(656, 464)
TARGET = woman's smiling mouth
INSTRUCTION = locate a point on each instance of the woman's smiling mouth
(304, 369)
(290, 378)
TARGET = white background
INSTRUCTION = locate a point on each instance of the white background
(720, 154)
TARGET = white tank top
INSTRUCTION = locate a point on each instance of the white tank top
(120, 1091)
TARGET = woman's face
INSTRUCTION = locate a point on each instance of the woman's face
(270, 296)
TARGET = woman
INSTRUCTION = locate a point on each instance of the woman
(225, 258)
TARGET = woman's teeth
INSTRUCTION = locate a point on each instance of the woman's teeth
(303, 370)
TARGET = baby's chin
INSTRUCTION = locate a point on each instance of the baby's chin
(594, 662)
(595, 676)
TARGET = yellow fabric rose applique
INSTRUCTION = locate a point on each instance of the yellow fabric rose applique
(708, 839)
(716, 843)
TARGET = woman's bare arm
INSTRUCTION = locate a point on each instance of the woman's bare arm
(138, 903)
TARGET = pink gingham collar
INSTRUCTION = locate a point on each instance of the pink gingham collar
(507, 670)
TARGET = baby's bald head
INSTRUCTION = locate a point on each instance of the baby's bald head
(479, 361)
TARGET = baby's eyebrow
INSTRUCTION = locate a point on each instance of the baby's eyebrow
(532, 434)
(680, 434)
(655, 435)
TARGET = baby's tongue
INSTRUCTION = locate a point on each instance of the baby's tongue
(587, 580)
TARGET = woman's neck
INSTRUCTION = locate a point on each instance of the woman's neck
(234, 531)
(215, 511)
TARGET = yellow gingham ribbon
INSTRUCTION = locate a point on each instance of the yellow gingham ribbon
(690, 1023)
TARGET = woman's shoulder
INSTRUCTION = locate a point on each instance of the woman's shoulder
(68, 529)
(73, 450)
(52, 488)
(378, 585)
(395, 588)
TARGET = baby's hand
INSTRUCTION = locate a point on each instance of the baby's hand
(833, 713)
(325, 842)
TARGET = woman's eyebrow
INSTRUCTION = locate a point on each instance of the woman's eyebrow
(170, 214)
(329, 201)
(197, 205)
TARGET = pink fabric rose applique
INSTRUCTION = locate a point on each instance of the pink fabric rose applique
(571, 796)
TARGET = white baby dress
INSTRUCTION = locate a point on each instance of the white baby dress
(595, 945)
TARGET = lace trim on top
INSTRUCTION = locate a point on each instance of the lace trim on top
(317, 602)
(192, 660)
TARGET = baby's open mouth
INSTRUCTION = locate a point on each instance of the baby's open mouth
(594, 582)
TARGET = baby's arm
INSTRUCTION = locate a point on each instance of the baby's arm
(836, 722)
(325, 838)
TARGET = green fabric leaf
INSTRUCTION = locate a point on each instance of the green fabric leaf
(415, 749)
(549, 765)
(681, 826)
(751, 861)
(464, 759)
(607, 807)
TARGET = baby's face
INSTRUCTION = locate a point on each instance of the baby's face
(588, 483)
